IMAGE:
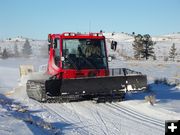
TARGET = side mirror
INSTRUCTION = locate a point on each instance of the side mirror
(55, 43)
(109, 59)
(88, 42)
(113, 45)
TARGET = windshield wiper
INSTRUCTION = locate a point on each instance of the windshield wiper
(73, 63)
(89, 63)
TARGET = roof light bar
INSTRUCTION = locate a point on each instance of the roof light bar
(72, 34)
(100, 34)
(97, 34)
(66, 34)
(69, 34)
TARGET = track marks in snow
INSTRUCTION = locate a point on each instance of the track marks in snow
(87, 118)
(101, 119)
(135, 117)
(114, 114)
(58, 110)
(90, 122)
(139, 116)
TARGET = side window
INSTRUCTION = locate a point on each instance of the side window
(56, 47)
(50, 44)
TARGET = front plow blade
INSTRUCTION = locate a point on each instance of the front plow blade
(96, 85)
(101, 88)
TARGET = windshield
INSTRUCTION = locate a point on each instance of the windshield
(84, 54)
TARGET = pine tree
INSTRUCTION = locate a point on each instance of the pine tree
(5, 54)
(172, 52)
(0, 51)
(16, 52)
(147, 47)
(27, 50)
(143, 46)
(137, 46)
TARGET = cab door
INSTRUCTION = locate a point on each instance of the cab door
(54, 62)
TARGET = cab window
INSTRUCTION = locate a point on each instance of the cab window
(56, 47)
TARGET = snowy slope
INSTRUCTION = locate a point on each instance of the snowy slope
(124, 48)
(19, 41)
(162, 46)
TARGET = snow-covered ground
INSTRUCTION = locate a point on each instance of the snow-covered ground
(161, 48)
(9, 71)
(133, 116)
(21, 115)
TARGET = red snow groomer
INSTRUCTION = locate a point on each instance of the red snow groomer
(78, 70)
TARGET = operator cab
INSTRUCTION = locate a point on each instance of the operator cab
(70, 52)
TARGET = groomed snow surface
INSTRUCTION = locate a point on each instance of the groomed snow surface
(20, 115)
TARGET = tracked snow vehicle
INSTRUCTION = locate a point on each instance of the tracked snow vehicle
(78, 70)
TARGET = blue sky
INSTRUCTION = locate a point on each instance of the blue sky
(37, 18)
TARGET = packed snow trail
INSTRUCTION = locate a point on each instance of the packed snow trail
(132, 116)
(83, 118)
(90, 118)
